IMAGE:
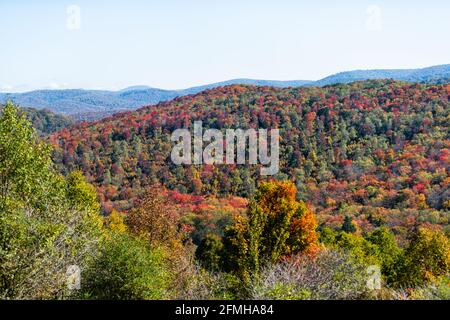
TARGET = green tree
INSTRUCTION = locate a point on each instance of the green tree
(25, 175)
(43, 231)
(327, 236)
(126, 269)
(81, 194)
(427, 257)
(209, 252)
(275, 225)
(388, 252)
(359, 248)
(348, 225)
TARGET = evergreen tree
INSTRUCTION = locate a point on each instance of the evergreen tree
(348, 225)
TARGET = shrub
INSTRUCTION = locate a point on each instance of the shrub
(329, 275)
(427, 258)
(126, 268)
(47, 223)
(209, 253)
(206, 285)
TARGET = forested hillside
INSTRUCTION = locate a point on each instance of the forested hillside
(238, 151)
(431, 75)
(56, 244)
(45, 121)
(376, 152)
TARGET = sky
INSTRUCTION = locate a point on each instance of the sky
(176, 44)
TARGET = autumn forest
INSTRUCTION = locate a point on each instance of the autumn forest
(363, 191)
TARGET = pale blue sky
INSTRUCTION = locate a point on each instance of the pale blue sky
(176, 44)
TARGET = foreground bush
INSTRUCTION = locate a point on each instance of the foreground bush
(48, 224)
(427, 258)
(329, 275)
(126, 268)
(209, 285)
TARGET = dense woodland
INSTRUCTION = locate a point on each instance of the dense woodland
(377, 152)
(46, 121)
(363, 183)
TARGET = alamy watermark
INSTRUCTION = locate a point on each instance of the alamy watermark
(374, 277)
(374, 20)
(73, 277)
(234, 142)
(73, 21)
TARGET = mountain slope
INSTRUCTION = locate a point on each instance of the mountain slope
(88, 104)
(95, 104)
(433, 74)
(378, 151)
(45, 121)
(270, 83)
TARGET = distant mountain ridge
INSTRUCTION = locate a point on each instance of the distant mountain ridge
(435, 74)
(92, 104)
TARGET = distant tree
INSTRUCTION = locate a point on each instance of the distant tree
(372, 147)
(46, 121)
(348, 225)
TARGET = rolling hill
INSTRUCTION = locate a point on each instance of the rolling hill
(436, 74)
(96, 104)
(377, 150)
(45, 121)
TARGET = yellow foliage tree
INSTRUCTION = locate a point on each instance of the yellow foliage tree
(276, 225)
(116, 222)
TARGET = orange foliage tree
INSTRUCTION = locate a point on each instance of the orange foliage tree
(275, 226)
(155, 219)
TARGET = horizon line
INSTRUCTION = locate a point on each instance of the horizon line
(118, 89)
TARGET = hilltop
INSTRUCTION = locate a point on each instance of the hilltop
(96, 104)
